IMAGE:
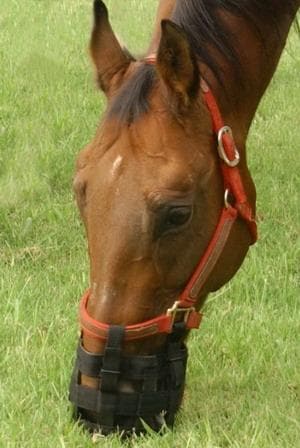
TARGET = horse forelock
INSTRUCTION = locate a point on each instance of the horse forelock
(132, 101)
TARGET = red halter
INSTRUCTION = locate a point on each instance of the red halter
(184, 307)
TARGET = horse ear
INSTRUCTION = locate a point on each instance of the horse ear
(106, 52)
(177, 63)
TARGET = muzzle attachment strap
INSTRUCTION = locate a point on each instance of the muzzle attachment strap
(110, 374)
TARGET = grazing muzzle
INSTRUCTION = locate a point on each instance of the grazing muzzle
(158, 385)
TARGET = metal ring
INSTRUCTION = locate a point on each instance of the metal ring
(227, 130)
(226, 196)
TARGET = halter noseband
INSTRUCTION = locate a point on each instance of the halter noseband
(167, 369)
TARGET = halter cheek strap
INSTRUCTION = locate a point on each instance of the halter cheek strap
(184, 308)
(229, 158)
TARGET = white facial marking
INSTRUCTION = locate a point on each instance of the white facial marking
(116, 165)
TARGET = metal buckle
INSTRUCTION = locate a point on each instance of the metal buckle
(176, 309)
(232, 163)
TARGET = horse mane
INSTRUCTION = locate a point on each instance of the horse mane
(202, 22)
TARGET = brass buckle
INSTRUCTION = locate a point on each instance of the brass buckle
(176, 310)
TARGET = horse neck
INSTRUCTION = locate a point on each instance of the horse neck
(259, 56)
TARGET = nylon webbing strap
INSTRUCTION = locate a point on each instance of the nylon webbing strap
(110, 373)
(89, 364)
(128, 404)
(177, 367)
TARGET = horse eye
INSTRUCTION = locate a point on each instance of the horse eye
(173, 219)
(178, 216)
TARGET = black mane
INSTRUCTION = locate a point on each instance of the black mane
(202, 23)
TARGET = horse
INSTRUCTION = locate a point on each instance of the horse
(166, 197)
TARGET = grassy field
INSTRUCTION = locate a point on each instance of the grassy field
(243, 387)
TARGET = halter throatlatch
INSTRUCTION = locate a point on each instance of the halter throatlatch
(158, 380)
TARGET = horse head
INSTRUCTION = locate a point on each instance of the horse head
(150, 189)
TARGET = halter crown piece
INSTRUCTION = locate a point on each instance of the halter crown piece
(161, 376)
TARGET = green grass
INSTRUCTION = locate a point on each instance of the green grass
(243, 382)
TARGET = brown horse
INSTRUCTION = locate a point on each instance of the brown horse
(150, 188)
